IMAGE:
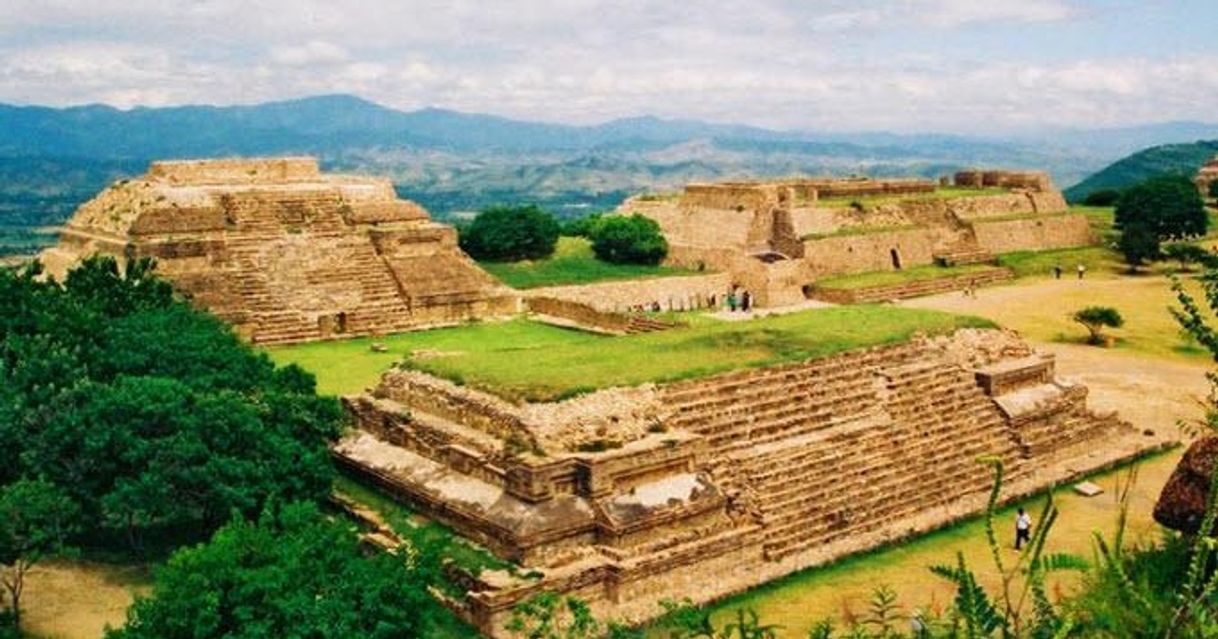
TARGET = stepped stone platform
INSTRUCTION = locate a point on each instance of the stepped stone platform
(906, 290)
(706, 487)
(777, 238)
(284, 252)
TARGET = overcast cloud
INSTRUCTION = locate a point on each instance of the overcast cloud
(970, 66)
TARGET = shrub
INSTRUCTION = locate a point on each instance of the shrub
(1102, 197)
(629, 240)
(1187, 255)
(1095, 318)
(510, 233)
(581, 226)
(1169, 206)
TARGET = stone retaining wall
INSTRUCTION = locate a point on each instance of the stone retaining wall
(906, 290)
(673, 293)
(1038, 234)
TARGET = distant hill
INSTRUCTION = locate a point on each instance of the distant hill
(52, 159)
(1167, 158)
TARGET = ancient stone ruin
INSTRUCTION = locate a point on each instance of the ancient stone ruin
(285, 253)
(778, 238)
(702, 488)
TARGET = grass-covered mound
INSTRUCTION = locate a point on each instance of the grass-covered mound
(527, 360)
(573, 262)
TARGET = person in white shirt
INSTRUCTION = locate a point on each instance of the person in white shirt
(1023, 529)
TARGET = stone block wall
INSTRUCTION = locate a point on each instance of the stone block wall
(673, 293)
(1042, 233)
(845, 254)
(236, 170)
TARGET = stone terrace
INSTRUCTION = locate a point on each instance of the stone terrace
(706, 487)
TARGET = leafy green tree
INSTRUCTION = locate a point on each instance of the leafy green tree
(1186, 254)
(634, 239)
(581, 226)
(1212, 191)
(1138, 244)
(1169, 206)
(510, 233)
(1102, 197)
(37, 520)
(152, 416)
(1095, 318)
(293, 573)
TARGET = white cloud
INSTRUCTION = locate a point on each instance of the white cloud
(315, 52)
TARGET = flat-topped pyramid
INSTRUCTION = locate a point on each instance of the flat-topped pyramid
(284, 252)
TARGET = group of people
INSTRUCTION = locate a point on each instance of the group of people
(1058, 270)
(735, 300)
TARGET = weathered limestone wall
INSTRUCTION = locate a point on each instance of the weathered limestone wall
(845, 254)
(678, 292)
(579, 315)
(1051, 232)
(1032, 180)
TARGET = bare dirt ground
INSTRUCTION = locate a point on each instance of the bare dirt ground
(78, 600)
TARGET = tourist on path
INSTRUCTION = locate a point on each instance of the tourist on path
(731, 301)
(1057, 271)
(746, 301)
(1023, 529)
(1081, 270)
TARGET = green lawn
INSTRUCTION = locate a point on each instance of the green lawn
(526, 360)
(938, 194)
(914, 274)
(1098, 260)
(572, 263)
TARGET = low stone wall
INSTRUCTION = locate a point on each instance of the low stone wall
(235, 170)
(1034, 234)
(579, 315)
(672, 293)
(907, 290)
(990, 178)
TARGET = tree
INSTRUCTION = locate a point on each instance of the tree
(1212, 191)
(1095, 318)
(292, 573)
(1139, 244)
(581, 226)
(1102, 197)
(1186, 254)
(36, 521)
(1169, 206)
(629, 240)
(509, 233)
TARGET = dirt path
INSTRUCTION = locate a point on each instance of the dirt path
(78, 600)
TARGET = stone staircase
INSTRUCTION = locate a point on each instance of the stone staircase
(845, 446)
(963, 253)
(642, 324)
(917, 288)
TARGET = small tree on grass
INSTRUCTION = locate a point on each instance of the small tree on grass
(1186, 254)
(36, 522)
(1139, 245)
(510, 233)
(628, 240)
(1095, 318)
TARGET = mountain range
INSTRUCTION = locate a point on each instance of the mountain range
(51, 159)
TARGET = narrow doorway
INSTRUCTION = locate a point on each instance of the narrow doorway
(896, 259)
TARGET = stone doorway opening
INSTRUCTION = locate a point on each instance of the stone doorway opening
(896, 258)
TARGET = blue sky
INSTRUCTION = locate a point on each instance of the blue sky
(967, 66)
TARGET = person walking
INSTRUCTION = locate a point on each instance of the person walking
(1023, 529)
(1081, 270)
(746, 301)
(1057, 271)
(731, 300)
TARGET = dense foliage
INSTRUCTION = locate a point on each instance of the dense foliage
(150, 416)
(1169, 206)
(1138, 244)
(633, 239)
(1183, 159)
(289, 574)
(510, 233)
(1102, 197)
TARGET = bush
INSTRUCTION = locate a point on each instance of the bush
(1095, 318)
(510, 233)
(581, 226)
(629, 240)
(1169, 206)
(1102, 197)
